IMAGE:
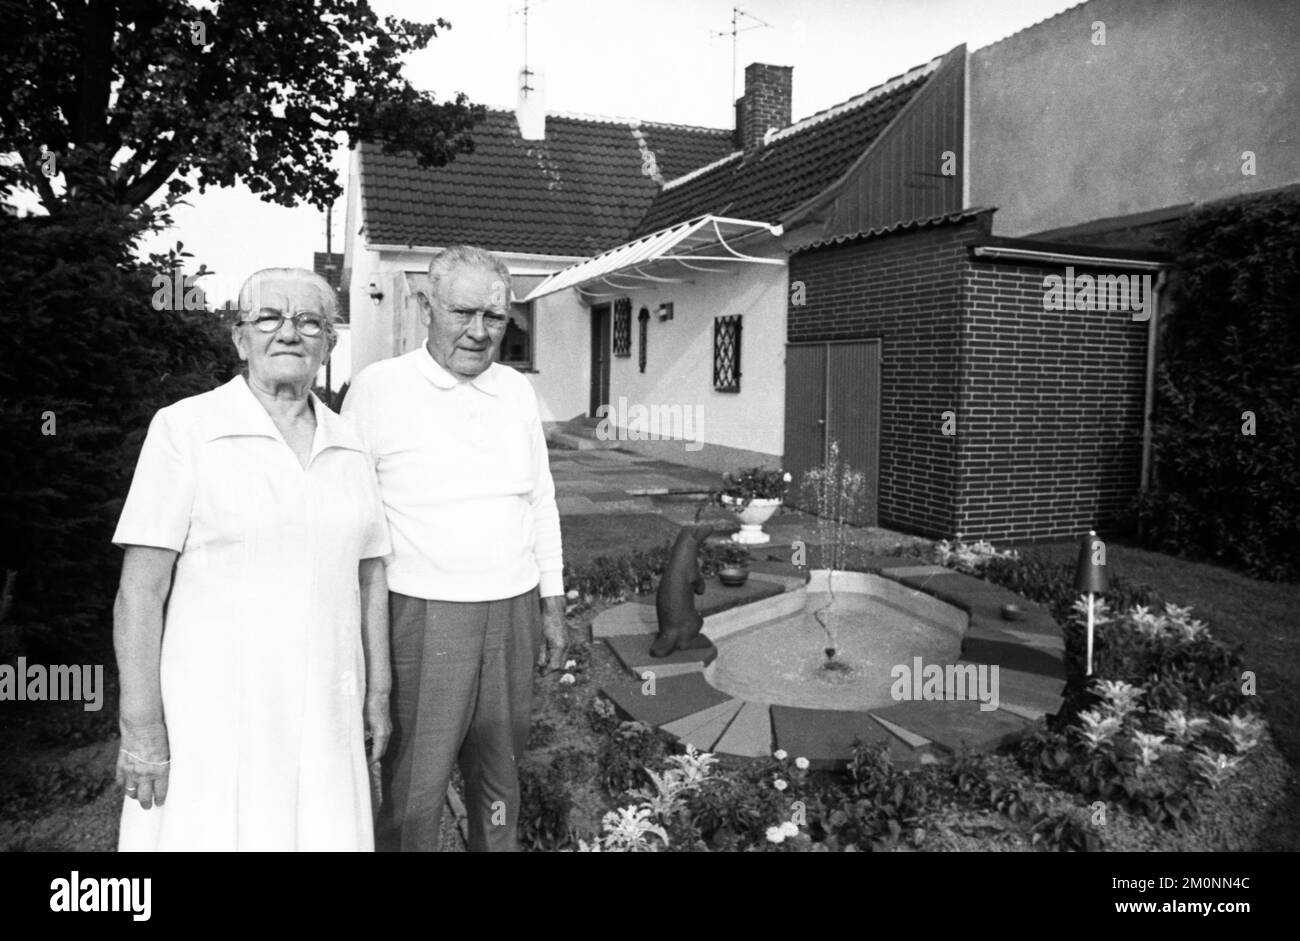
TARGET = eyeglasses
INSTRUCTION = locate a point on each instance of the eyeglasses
(307, 323)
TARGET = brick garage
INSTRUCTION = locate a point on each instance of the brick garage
(1049, 404)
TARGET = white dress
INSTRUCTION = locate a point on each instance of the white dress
(263, 674)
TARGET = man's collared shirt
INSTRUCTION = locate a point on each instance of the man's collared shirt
(464, 477)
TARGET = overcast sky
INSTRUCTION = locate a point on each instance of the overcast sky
(657, 60)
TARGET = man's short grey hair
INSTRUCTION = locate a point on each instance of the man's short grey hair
(465, 256)
(258, 280)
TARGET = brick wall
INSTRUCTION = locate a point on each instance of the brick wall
(1049, 404)
(765, 104)
(1050, 428)
(905, 290)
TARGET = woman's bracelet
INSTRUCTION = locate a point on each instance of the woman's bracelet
(146, 761)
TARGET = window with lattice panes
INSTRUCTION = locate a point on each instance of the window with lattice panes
(726, 353)
(623, 326)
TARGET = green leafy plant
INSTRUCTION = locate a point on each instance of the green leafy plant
(755, 483)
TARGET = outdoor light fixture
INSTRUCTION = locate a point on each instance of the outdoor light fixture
(376, 295)
(665, 311)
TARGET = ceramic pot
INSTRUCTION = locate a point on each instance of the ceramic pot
(733, 576)
(752, 517)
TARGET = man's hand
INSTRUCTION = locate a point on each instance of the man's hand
(551, 657)
(379, 724)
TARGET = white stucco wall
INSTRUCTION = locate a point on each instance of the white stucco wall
(679, 361)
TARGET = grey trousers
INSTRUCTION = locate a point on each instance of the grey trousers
(462, 693)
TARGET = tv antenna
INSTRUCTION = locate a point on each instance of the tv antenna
(527, 85)
(736, 30)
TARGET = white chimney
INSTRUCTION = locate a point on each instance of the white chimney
(531, 110)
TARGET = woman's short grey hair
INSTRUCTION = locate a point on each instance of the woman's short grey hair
(465, 256)
(257, 281)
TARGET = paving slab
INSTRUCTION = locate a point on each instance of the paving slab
(703, 729)
(577, 505)
(1030, 691)
(825, 736)
(908, 738)
(903, 572)
(1010, 654)
(633, 650)
(626, 618)
(954, 724)
(673, 697)
(750, 733)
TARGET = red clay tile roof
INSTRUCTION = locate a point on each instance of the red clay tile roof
(791, 169)
(579, 192)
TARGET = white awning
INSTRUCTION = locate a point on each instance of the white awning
(668, 256)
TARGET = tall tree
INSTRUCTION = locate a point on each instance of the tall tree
(119, 98)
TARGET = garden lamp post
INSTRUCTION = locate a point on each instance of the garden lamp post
(1091, 577)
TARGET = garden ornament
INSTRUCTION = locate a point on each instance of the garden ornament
(679, 622)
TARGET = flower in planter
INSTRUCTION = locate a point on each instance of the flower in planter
(755, 483)
(776, 834)
(801, 763)
(780, 754)
(568, 679)
(779, 784)
(570, 664)
(790, 828)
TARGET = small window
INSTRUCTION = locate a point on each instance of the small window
(623, 326)
(517, 341)
(643, 319)
(726, 353)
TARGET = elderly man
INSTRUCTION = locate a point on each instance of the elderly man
(458, 445)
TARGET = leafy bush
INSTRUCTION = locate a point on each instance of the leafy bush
(717, 555)
(1230, 347)
(544, 806)
(84, 345)
(755, 483)
(615, 578)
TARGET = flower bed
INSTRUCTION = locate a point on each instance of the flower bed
(1163, 749)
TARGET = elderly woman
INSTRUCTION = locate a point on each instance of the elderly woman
(251, 623)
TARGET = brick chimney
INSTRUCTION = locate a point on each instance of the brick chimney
(765, 104)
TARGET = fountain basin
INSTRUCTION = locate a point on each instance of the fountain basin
(770, 685)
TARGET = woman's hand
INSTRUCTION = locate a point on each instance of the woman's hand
(379, 724)
(143, 763)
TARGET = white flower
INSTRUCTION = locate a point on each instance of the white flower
(801, 763)
(787, 478)
(790, 828)
(780, 754)
(568, 679)
(775, 835)
(779, 784)
(572, 594)
(570, 664)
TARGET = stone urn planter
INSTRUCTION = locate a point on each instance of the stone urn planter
(752, 517)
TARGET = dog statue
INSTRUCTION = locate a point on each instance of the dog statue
(679, 622)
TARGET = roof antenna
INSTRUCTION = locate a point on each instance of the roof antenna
(736, 28)
(526, 75)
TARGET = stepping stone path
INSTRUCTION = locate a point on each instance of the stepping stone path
(672, 693)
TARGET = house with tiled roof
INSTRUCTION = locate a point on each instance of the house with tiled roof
(723, 297)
